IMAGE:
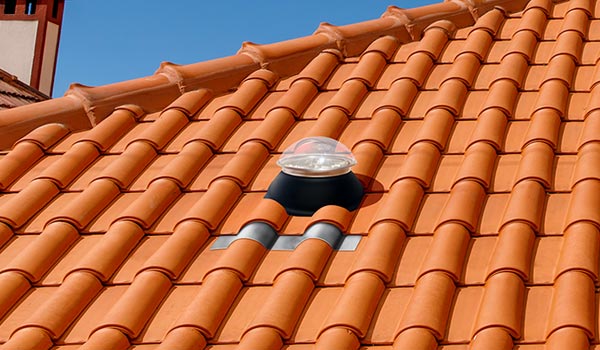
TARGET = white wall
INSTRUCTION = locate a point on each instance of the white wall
(17, 48)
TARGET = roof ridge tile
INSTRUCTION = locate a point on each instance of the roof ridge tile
(17, 122)
(285, 58)
(151, 93)
(218, 75)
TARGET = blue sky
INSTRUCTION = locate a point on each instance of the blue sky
(107, 41)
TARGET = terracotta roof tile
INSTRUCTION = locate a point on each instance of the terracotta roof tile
(474, 125)
(14, 93)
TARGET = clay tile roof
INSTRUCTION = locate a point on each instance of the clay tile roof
(132, 215)
(14, 93)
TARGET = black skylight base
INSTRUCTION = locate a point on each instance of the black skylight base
(303, 196)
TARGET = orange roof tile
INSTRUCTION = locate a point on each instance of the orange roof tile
(133, 215)
(14, 93)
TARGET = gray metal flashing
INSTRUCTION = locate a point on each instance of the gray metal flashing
(260, 232)
(328, 233)
(266, 235)
(349, 243)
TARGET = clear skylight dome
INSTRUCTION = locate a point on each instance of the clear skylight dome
(316, 157)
